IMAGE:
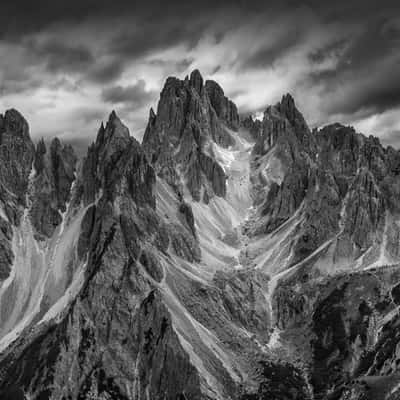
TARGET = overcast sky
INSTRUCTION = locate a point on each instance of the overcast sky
(66, 65)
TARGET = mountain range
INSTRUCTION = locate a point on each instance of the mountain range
(224, 257)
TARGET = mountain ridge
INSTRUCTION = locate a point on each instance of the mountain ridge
(203, 262)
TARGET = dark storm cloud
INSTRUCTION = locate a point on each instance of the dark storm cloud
(341, 57)
(148, 37)
(88, 114)
(134, 95)
(377, 40)
(367, 74)
(265, 56)
(179, 66)
(19, 17)
(123, 30)
(383, 95)
(18, 80)
(392, 139)
(105, 72)
(333, 49)
(60, 56)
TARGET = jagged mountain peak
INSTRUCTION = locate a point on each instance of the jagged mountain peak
(14, 123)
(114, 129)
(226, 109)
(190, 118)
(112, 116)
(54, 173)
(287, 103)
(14, 134)
(217, 257)
(288, 108)
(56, 143)
(152, 114)
(252, 124)
(283, 124)
(112, 140)
(114, 160)
(196, 81)
(16, 154)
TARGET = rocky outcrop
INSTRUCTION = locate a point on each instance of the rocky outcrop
(285, 135)
(16, 154)
(6, 254)
(64, 165)
(190, 116)
(54, 172)
(186, 210)
(116, 162)
(284, 126)
(242, 294)
(345, 313)
(225, 109)
(161, 366)
(205, 176)
(344, 183)
(339, 149)
(365, 209)
(254, 126)
(279, 381)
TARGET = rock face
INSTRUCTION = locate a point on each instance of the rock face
(16, 156)
(190, 116)
(254, 126)
(116, 155)
(17, 152)
(225, 109)
(279, 381)
(30, 179)
(219, 259)
(54, 172)
(121, 238)
(342, 182)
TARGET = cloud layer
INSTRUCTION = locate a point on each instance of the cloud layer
(66, 66)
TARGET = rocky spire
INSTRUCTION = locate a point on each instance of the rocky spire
(254, 126)
(196, 81)
(116, 155)
(51, 185)
(152, 115)
(113, 134)
(16, 154)
(225, 109)
(287, 107)
(190, 116)
(14, 123)
(16, 157)
(39, 161)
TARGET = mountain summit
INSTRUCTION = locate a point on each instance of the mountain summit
(191, 116)
(221, 258)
